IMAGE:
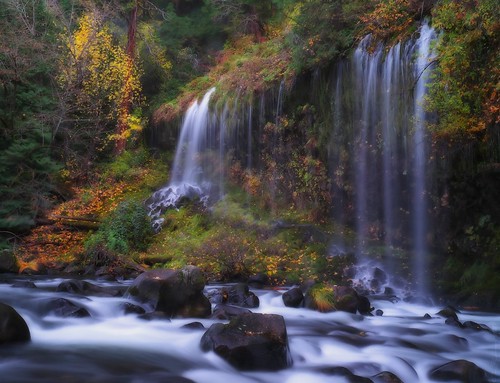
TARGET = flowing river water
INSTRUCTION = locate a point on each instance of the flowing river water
(111, 346)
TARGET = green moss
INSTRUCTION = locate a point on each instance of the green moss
(322, 297)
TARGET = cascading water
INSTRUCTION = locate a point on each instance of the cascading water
(378, 149)
(189, 177)
(114, 346)
(425, 54)
(377, 153)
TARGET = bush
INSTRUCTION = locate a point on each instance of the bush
(126, 229)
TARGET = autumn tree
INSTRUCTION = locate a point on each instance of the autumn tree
(103, 83)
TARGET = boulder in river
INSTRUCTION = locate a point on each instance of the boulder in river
(65, 308)
(293, 297)
(459, 370)
(448, 312)
(346, 374)
(224, 312)
(386, 377)
(326, 298)
(250, 342)
(13, 327)
(76, 286)
(174, 292)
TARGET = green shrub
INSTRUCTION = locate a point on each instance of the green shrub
(128, 228)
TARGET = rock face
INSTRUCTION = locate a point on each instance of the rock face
(13, 328)
(459, 370)
(250, 342)
(174, 292)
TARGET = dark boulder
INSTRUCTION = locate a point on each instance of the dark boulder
(174, 292)
(240, 295)
(250, 342)
(346, 374)
(459, 370)
(130, 308)
(198, 306)
(451, 321)
(346, 299)
(293, 297)
(75, 286)
(194, 326)
(448, 312)
(8, 262)
(386, 377)
(13, 327)
(258, 281)
(325, 298)
(364, 305)
(155, 315)
(477, 326)
(62, 307)
(224, 312)
(380, 275)
(24, 285)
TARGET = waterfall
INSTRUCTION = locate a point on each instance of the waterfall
(423, 47)
(190, 174)
(379, 126)
(378, 148)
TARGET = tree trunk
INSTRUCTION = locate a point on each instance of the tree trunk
(126, 104)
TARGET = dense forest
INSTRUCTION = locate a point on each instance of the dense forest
(93, 94)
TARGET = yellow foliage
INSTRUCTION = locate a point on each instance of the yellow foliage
(106, 79)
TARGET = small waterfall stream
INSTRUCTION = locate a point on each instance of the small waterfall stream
(190, 176)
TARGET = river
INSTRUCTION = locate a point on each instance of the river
(111, 346)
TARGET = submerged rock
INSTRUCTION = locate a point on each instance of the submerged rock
(346, 374)
(24, 285)
(250, 342)
(75, 286)
(459, 370)
(62, 307)
(174, 292)
(13, 327)
(130, 308)
(194, 326)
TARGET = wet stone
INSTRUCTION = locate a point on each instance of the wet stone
(386, 377)
(459, 370)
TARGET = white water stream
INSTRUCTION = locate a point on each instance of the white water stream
(114, 347)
